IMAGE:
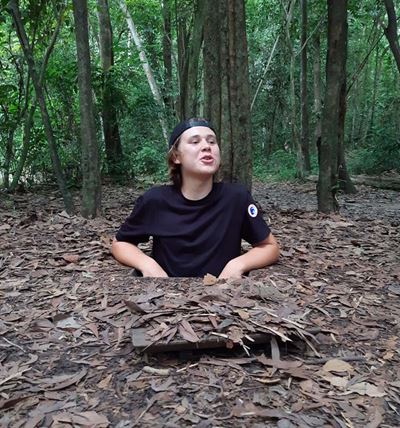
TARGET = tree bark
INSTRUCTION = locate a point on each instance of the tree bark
(335, 81)
(288, 11)
(190, 52)
(28, 54)
(28, 122)
(304, 133)
(112, 141)
(8, 156)
(344, 179)
(271, 126)
(391, 31)
(91, 186)
(167, 54)
(371, 104)
(147, 69)
(317, 88)
(227, 88)
(265, 72)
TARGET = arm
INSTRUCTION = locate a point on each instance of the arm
(262, 254)
(130, 255)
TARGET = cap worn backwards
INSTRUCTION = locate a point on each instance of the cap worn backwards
(187, 124)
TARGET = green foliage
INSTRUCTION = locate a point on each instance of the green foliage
(371, 150)
(280, 166)
(375, 157)
(149, 160)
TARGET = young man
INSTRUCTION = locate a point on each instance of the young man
(197, 224)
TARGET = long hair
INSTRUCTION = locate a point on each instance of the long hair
(174, 169)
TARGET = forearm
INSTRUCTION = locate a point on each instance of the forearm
(258, 257)
(130, 255)
(261, 255)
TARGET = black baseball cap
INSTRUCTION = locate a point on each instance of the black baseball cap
(187, 124)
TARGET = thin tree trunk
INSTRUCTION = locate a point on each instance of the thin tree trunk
(354, 105)
(112, 139)
(265, 72)
(270, 142)
(344, 180)
(91, 185)
(391, 31)
(147, 69)
(28, 122)
(296, 143)
(370, 114)
(8, 156)
(317, 88)
(335, 83)
(182, 34)
(28, 54)
(304, 138)
(364, 106)
(167, 54)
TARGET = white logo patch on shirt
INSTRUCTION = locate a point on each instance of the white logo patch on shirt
(252, 210)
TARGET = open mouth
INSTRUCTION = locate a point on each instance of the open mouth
(207, 158)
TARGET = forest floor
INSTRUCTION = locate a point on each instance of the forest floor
(66, 354)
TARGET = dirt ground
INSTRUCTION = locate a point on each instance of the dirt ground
(66, 355)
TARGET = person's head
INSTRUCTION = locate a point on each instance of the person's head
(193, 150)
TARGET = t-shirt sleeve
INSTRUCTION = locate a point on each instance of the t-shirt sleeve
(254, 228)
(135, 228)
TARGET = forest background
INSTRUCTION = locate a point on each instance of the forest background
(91, 89)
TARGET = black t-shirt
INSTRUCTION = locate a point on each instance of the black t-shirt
(192, 238)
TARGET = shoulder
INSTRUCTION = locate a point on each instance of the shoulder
(153, 198)
(234, 190)
(157, 193)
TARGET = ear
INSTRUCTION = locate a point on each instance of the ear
(176, 159)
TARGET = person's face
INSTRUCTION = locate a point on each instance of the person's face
(198, 152)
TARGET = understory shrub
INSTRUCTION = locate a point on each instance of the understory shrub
(375, 158)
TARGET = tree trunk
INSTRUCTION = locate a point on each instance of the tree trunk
(28, 54)
(112, 139)
(28, 117)
(8, 156)
(317, 88)
(271, 126)
(227, 88)
(391, 31)
(344, 180)
(91, 186)
(371, 107)
(304, 134)
(189, 78)
(264, 73)
(28, 122)
(167, 54)
(147, 69)
(296, 143)
(335, 80)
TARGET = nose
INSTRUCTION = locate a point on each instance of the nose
(206, 144)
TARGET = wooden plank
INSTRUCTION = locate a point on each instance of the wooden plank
(141, 342)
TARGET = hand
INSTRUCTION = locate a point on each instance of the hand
(233, 269)
(153, 269)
